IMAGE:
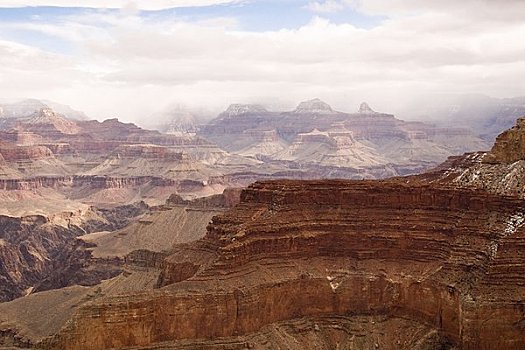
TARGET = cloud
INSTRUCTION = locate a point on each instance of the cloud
(325, 6)
(150, 5)
(473, 9)
(131, 66)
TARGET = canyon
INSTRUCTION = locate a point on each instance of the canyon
(447, 260)
(220, 237)
(314, 135)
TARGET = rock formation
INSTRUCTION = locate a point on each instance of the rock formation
(314, 106)
(499, 171)
(101, 163)
(34, 250)
(235, 110)
(509, 146)
(380, 139)
(364, 108)
(440, 258)
(428, 261)
(258, 145)
(436, 263)
(47, 122)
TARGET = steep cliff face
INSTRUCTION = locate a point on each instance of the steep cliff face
(510, 145)
(39, 253)
(91, 181)
(316, 249)
(13, 154)
(29, 245)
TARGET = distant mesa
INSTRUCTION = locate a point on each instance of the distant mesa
(314, 106)
(26, 107)
(45, 116)
(113, 120)
(364, 108)
(239, 109)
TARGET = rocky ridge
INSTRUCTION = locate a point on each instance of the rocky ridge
(258, 145)
(379, 139)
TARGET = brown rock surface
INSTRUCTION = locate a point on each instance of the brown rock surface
(11, 154)
(510, 145)
(290, 249)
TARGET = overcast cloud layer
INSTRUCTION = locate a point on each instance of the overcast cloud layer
(131, 63)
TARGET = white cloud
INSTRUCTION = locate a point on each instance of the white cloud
(130, 66)
(472, 9)
(325, 6)
(126, 4)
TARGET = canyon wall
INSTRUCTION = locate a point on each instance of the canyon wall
(39, 253)
(322, 248)
(93, 181)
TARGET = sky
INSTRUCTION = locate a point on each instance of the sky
(132, 59)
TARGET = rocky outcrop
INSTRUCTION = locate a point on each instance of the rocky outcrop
(364, 108)
(227, 199)
(293, 249)
(28, 247)
(39, 253)
(25, 153)
(23, 108)
(239, 109)
(91, 181)
(20, 109)
(147, 151)
(182, 124)
(509, 146)
(314, 106)
(46, 121)
(35, 183)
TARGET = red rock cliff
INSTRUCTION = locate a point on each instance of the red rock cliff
(446, 258)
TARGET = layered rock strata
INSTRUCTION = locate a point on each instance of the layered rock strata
(376, 139)
(93, 181)
(39, 253)
(291, 249)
